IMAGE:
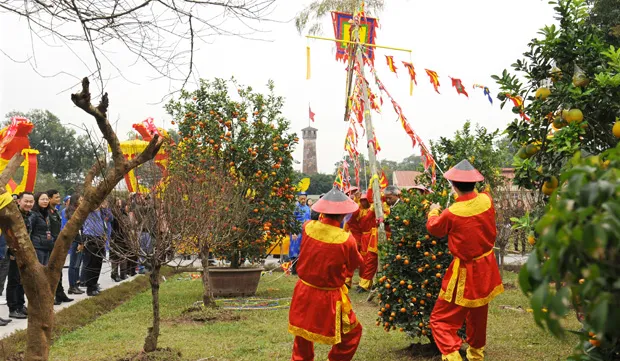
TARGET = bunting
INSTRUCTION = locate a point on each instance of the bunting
(434, 78)
(486, 92)
(339, 182)
(411, 70)
(458, 85)
(383, 181)
(391, 65)
(517, 100)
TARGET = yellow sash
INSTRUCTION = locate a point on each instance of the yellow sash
(455, 273)
(344, 291)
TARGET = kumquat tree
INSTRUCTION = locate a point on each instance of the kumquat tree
(249, 137)
(414, 262)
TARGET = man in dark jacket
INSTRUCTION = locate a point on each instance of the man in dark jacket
(55, 226)
(14, 289)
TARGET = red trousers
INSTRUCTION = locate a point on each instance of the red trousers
(367, 273)
(303, 350)
(447, 318)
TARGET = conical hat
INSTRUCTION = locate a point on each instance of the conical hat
(335, 202)
(464, 172)
(351, 190)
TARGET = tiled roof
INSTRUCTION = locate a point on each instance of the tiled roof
(405, 178)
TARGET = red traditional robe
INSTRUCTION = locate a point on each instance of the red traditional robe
(370, 244)
(354, 226)
(320, 309)
(470, 226)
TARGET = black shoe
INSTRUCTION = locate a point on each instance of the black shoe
(93, 293)
(75, 291)
(64, 298)
(18, 314)
(116, 278)
(57, 302)
(25, 310)
(7, 320)
(124, 277)
(3, 323)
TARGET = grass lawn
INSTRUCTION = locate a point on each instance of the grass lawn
(261, 335)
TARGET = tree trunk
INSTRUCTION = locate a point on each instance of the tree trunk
(40, 313)
(150, 343)
(234, 260)
(207, 294)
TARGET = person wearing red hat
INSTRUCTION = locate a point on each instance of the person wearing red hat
(473, 278)
(370, 244)
(353, 225)
(321, 310)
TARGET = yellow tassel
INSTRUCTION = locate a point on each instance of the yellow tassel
(411, 88)
(307, 62)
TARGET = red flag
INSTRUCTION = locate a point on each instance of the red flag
(383, 181)
(434, 79)
(460, 89)
(390, 63)
(311, 113)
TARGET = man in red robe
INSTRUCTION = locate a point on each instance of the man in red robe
(473, 279)
(370, 244)
(354, 226)
(321, 309)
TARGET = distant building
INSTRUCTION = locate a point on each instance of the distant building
(309, 165)
(405, 179)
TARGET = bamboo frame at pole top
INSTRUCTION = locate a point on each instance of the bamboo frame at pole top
(358, 43)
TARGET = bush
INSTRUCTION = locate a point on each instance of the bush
(579, 252)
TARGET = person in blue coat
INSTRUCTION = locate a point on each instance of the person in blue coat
(302, 214)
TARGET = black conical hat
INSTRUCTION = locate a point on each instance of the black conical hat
(464, 172)
(335, 202)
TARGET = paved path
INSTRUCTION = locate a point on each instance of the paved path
(104, 280)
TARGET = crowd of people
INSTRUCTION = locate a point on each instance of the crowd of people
(106, 231)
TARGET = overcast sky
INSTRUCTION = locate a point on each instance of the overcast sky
(470, 40)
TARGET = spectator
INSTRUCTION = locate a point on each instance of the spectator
(55, 221)
(95, 232)
(41, 233)
(4, 267)
(4, 272)
(118, 246)
(77, 249)
(14, 289)
(63, 212)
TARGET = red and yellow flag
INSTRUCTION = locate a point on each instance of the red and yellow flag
(411, 71)
(390, 63)
(434, 78)
(518, 103)
(383, 181)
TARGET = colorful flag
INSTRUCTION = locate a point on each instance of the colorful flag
(486, 92)
(460, 89)
(390, 63)
(339, 182)
(311, 114)
(383, 181)
(518, 103)
(411, 71)
(434, 78)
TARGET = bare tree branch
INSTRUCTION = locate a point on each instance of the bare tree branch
(161, 33)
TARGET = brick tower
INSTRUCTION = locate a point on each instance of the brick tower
(309, 166)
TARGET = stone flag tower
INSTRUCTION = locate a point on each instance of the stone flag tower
(309, 166)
